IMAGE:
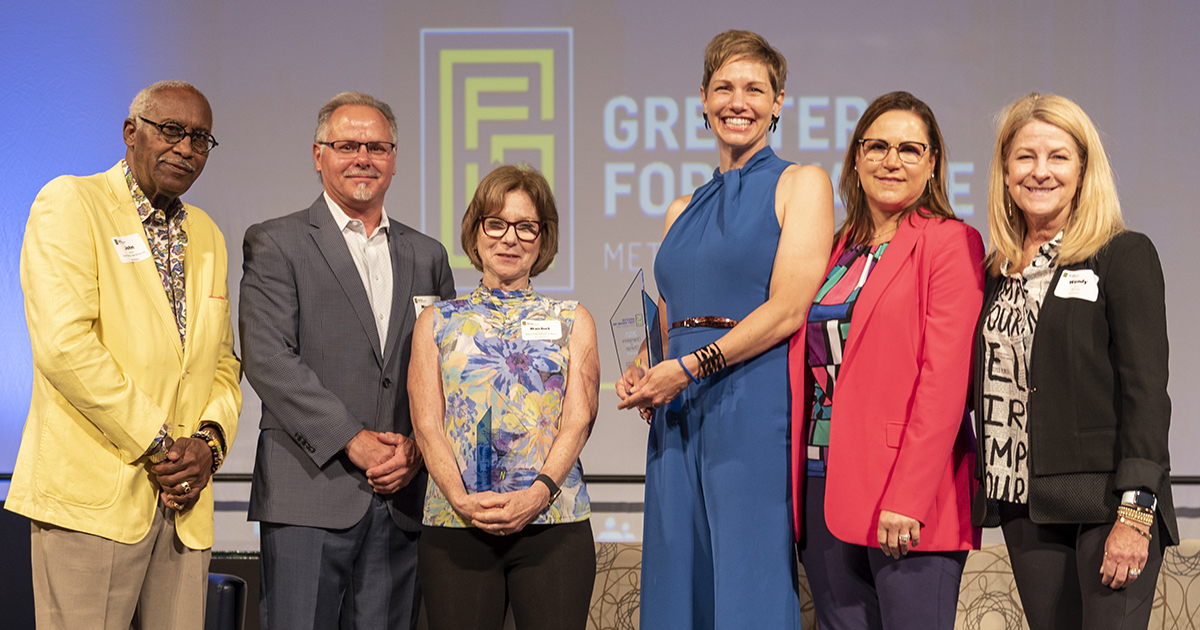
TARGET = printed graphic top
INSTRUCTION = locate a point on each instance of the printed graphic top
(828, 326)
(1008, 341)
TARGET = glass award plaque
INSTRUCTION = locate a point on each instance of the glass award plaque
(635, 325)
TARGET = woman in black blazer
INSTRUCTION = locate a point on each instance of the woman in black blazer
(1071, 404)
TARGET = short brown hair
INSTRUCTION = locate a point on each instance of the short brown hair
(489, 200)
(858, 227)
(734, 44)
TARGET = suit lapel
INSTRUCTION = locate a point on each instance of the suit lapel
(402, 282)
(333, 247)
(128, 223)
(899, 250)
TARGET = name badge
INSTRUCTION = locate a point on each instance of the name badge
(422, 301)
(541, 329)
(130, 249)
(1082, 284)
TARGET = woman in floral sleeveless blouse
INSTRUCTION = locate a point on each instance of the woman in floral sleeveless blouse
(503, 385)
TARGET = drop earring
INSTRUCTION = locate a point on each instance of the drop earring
(774, 123)
(705, 114)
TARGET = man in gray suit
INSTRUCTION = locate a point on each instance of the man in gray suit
(329, 297)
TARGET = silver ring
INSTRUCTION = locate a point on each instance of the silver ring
(1135, 572)
(187, 487)
(904, 538)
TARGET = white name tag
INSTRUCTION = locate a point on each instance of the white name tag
(130, 249)
(541, 329)
(422, 301)
(1082, 284)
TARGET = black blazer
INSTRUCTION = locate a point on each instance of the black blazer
(1098, 411)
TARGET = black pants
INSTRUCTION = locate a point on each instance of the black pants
(469, 577)
(1057, 570)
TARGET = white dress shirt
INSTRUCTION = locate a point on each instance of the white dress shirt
(373, 259)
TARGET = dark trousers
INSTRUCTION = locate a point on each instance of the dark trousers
(1057, 570)
(359, 578)
(546, 571)
(861, 588)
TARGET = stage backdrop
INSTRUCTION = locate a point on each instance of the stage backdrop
(604, 98)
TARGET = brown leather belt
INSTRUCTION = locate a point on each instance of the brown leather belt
(706, 322)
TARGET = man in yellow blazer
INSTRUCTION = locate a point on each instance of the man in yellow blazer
(135, 391)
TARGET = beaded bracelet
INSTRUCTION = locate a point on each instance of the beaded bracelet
(214, 445)
(1145, 517)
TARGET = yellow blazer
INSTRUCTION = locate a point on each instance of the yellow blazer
(108, 366)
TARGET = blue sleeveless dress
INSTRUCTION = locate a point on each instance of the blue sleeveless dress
(718, 549)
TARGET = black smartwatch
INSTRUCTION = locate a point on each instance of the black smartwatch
(1140, 498)
(551, 486)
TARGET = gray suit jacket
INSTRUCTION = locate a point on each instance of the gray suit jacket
(310, 348)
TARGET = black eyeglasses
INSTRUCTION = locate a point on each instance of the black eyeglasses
(877, 150)
(496, 227)
(350, 147)
(202, 141)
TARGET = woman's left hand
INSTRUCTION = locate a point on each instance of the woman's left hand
(509, 512)
(1125, 550)
(898, 533)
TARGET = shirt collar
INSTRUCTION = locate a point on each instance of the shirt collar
(146, 212)
(342, 219)
(1048, 252)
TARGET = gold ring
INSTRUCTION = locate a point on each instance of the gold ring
(1135, 572)
(904, 538)
(187, 487)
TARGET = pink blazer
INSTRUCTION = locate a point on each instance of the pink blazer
(898, 440)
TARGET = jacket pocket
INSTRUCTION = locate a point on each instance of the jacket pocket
(895, 434)
(76, 462)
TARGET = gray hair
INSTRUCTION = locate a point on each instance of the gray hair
(142, 101)
(353, 98)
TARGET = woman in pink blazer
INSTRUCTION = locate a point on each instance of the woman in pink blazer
(881, 455)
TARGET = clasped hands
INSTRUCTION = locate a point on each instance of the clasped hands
(650, 389)
(504, 513)
(184, 473)
(390, 460)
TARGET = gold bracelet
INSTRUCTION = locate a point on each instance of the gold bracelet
(1145, 518)
(1147, 535)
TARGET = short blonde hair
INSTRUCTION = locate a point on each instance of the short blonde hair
(489, 200)
(735, 44)
(1095, 214)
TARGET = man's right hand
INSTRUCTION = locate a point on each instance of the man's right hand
(367, 450)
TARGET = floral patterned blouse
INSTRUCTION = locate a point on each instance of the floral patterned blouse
(504, 363)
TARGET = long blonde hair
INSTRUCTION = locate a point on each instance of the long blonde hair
(1095, 214)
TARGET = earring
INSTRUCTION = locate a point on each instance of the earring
(705, 114)
(1008, 206)
(774, 123)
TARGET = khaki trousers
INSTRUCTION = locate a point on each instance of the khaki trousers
(86, 582)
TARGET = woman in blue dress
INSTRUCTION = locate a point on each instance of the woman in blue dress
(740, 261)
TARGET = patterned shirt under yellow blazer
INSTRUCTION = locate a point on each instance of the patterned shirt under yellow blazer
(109, 365)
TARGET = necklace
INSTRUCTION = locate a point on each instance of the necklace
(880, 234)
